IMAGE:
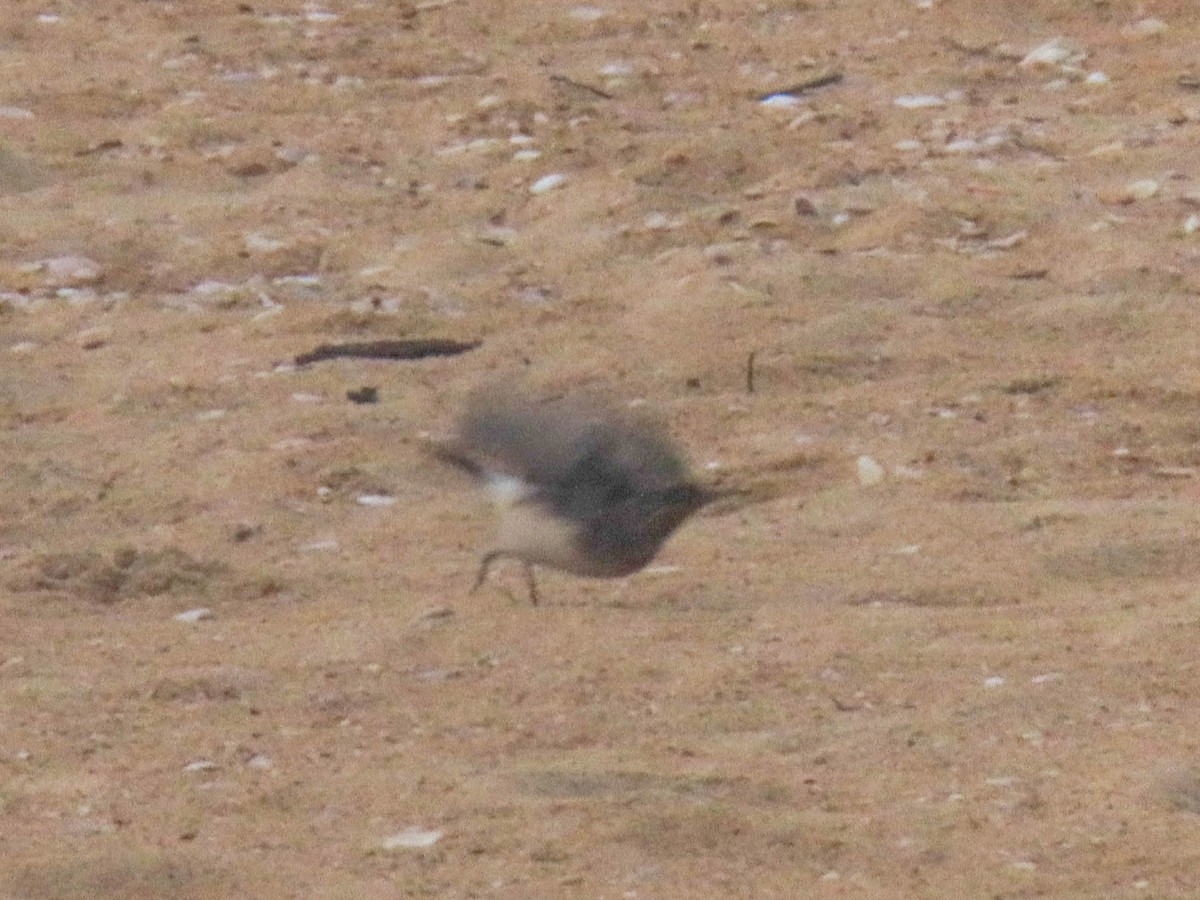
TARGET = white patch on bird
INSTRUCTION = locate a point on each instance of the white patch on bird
(507, 489)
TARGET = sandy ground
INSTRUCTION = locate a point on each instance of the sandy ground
(949, 649)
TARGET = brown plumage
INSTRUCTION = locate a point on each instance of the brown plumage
(579, 488)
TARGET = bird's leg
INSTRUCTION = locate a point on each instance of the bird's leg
(529, 579)
(484, 565)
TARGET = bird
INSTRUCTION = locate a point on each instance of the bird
(578, 487)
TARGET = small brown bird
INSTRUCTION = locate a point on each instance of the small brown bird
(578, 487)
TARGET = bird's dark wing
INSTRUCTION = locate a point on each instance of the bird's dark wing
(562, 443)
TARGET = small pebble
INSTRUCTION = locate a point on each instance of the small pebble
(1190, 226)
(803, 205)
(375, 500)
(206, 288)
(1056, 52)
(620, 69)
(257, 242)
(411, 839)
(298, 280)
(587, 13)
(548, 183)
(63, 271)
(433, 80)
(322, 546)
(244, 531)
(200, 765)
(1009, 241)
(93, 338)
(869, 471)
(1143, 189)
(658, 221)
(1145, 28)
(496, 235)
(1047, 677)
(194, 615)
(994, 682)
(434, 616)
(661, 570)
(919, 101)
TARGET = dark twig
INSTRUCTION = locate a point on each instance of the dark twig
(394, 349)
(819, 80)
(579, 85)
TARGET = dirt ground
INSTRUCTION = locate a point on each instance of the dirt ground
(949, 648)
